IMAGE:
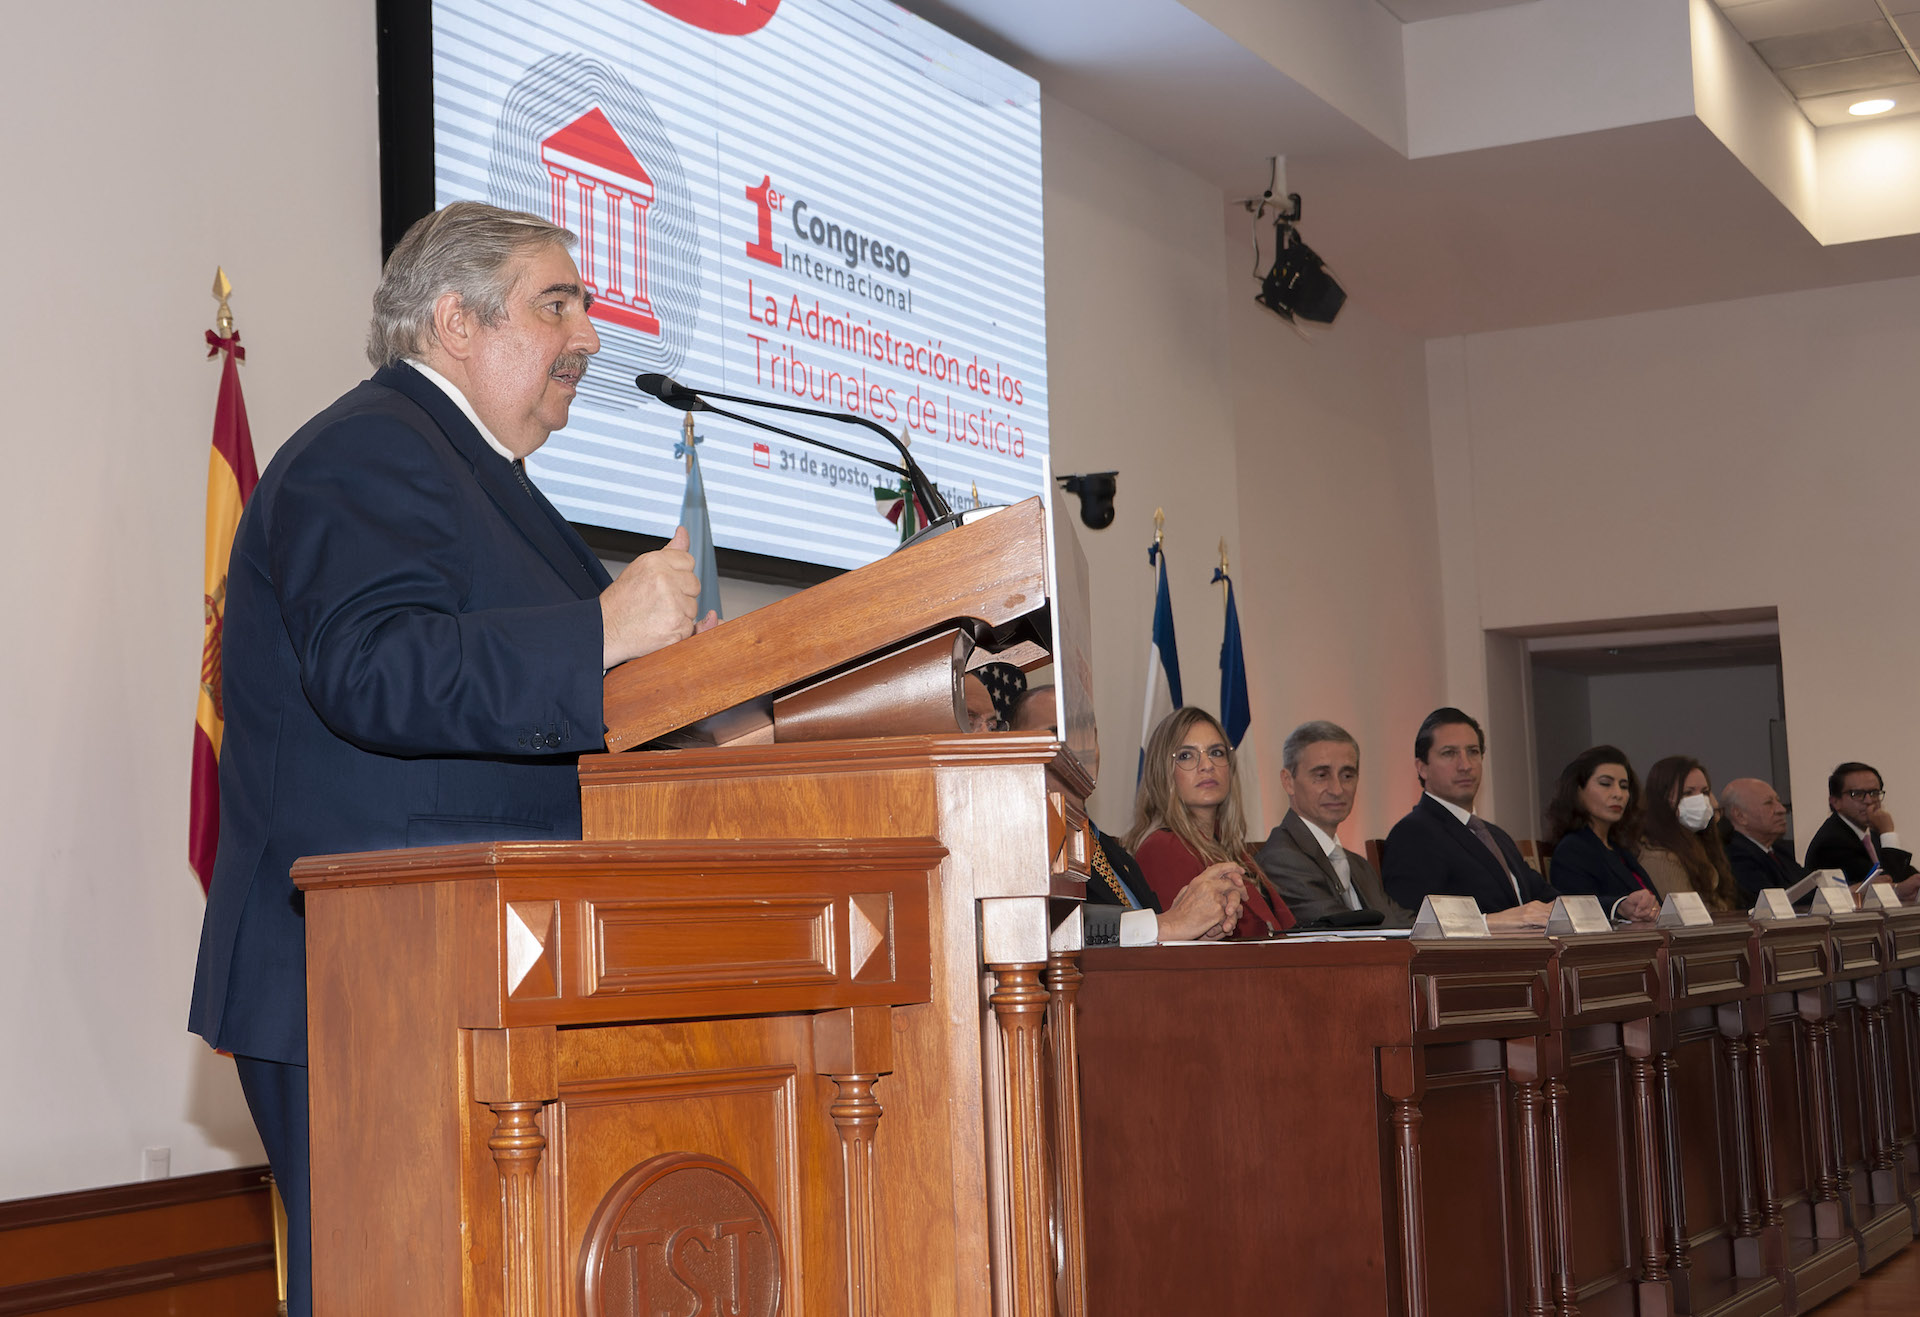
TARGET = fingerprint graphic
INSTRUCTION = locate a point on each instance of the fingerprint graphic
(579, 144)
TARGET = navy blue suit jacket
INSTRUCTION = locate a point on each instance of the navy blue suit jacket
(411, 649)
(1837, 846)
(1755, 868)
(1583, 865)
(1432, 853)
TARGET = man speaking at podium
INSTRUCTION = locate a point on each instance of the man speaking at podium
(414, 637)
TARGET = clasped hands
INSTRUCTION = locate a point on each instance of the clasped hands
(651, 603)
(1207, 908)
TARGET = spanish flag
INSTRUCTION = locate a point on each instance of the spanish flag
(231, 476)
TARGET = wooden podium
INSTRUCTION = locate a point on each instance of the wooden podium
(790, 1031)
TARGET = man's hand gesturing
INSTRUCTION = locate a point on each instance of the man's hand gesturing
(650, 604)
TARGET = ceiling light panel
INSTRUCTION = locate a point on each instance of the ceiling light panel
(1830, 45)
(1848, 75)
(1761, 20)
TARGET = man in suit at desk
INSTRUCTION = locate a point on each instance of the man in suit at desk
(1316, 875)
(415, 639)
(1442, 848)
(1858, 836)
(1757, 821)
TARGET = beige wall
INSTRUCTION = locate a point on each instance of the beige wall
(1737, 455)
(147, 144)
(1140, 375)
(1338, 586)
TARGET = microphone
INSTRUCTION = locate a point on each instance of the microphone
(668, 390)
(678, 396)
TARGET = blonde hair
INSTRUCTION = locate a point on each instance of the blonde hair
(1157, 804)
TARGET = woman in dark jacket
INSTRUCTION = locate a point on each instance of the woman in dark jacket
(1592, 824)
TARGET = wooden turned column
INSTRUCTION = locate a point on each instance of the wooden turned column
(1679, 1250)
(1560, 1201)
(1529, 1103)
(516, 1144)
(854, 1048)
(1769, 1195)
(1646, 1140)
(1826, 1155)
(1879, 1080)
(1020, 1006)
(1063, 1029)
(515, 1074)
(856, 1114)
(1746, 1218)
(1400, 1081)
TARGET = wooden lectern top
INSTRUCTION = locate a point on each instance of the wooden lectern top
(992, 572)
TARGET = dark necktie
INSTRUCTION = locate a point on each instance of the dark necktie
(1485, 834)
(520, 474)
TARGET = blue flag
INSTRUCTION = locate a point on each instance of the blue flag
(693, 515)
(1163, 657)
(1236, 714)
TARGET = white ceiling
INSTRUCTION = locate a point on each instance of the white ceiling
(1418, 11)
(1832, 54)
(1641, 217)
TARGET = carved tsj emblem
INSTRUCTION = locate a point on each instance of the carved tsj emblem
(681, 1236)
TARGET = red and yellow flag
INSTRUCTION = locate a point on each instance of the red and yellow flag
(231, 476)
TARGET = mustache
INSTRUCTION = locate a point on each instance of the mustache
(570, 363)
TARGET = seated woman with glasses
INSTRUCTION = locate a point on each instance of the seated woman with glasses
(1858, 837)
(1592, 824)
(1187, 820)
(1682, 851)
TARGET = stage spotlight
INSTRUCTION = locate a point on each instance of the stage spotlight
(1298, 286)
(1095, 490)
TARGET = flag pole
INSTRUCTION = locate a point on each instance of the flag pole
(1223, 573)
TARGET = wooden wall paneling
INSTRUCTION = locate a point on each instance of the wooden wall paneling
(1881, 1218)
(1804, 1240)
(1604, 1200)
(550, 1143)
(940, 1098)
(194, 1243)
(1222, 1129)
(1705, 1144)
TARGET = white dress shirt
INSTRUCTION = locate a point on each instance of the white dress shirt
(1336, 856)
(447, 387)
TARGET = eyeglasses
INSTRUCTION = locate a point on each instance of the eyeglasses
(1188, 759)
(1866, 797)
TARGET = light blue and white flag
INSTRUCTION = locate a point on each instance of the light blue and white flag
(693, 515)
(1163, 657)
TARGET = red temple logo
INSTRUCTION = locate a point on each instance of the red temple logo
(602, 193)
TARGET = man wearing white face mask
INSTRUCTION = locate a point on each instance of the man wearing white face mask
(1682, 851)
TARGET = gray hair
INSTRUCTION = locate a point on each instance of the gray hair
(1313, 733)
(468, 248)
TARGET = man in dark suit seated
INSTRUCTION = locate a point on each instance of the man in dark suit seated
(1858, 836)
(1757, 821)
(1442, 848)
(1316, 876)
(414, 639)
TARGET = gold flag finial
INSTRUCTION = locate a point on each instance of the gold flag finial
(1225, 585)
(222, 289)
(1159, 524)
(686, 432)
(976, 493)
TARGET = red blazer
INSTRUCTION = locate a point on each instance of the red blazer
(1169, 866)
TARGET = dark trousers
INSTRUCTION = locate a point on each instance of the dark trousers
(277, 1096)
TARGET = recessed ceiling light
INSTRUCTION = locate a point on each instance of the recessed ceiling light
(1879, 106)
